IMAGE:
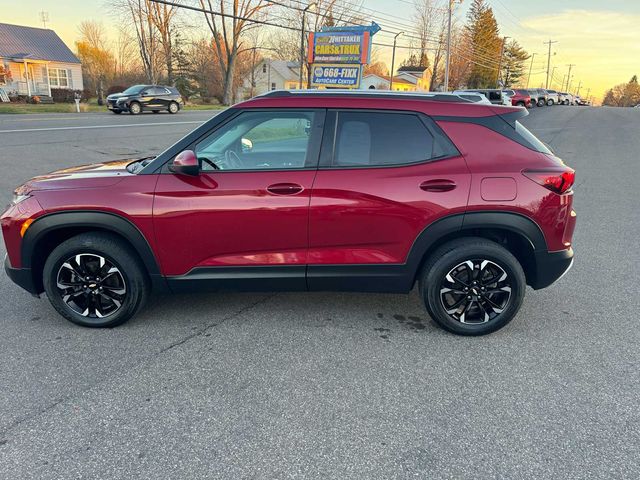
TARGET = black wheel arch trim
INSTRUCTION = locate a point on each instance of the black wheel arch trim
(87, 219)
(511, 221)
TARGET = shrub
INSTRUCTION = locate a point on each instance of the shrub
(115, 89)
(64, 95)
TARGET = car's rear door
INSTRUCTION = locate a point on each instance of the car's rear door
(383, 177)
(243, 222)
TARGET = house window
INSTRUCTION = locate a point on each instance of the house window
(273, 86)
(58, 78)
(264, 68)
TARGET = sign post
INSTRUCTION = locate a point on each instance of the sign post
(337, 55)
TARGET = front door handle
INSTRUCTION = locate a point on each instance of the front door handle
(284, 188)
(438, 185)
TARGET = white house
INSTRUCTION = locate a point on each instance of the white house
(372, 81)
(273, 75)
(35, 60)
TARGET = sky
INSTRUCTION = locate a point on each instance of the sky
(602, 38)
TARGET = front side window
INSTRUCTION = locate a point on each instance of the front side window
(258, 141)
(58, 78)
(378, 139)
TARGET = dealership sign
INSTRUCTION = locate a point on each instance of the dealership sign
(336, 75)
(336, 55)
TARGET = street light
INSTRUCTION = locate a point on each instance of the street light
(393, 58)
(304, 12)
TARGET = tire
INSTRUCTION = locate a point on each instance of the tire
(135, 108)
(173, 107)
(541, 102)
(117, 112)
(478, 317)
(520, 104)
(106, 301)
(550, 103)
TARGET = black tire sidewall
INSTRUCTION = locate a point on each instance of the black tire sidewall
(134, 105)
(446, 260)
(177, 107)
(120, 257)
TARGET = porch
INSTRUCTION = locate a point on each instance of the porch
(30, 77)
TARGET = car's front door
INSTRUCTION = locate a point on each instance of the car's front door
(243, 222)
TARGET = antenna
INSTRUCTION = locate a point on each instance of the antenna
(44, 18)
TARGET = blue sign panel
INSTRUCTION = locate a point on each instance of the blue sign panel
(336, 75)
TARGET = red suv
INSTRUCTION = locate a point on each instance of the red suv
(519, 98)
(363, 191)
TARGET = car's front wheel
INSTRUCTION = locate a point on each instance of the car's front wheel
(95, 280)
(173, 107)
(472, 286)
(135, 108)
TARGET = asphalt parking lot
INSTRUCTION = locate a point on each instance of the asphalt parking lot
(332, 385)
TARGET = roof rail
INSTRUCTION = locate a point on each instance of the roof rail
(429, 96)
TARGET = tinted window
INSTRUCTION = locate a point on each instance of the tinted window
(258, 141)
(531, 139)
(495, 95)
(371, 139)
(156, 91)
(134, 90)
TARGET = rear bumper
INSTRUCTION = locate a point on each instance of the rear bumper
(551, 266)
(20, 276)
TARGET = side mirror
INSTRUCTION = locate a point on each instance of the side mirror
(185, 163)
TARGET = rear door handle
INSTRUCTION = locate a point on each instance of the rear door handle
(284, 188)
(438, 185)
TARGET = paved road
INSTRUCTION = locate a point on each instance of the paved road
(335, 385)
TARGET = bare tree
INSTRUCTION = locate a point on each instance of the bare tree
(227, 29)
(162, 16)
(140, 14)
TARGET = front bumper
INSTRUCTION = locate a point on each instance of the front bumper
(20, 276)
(551, 266)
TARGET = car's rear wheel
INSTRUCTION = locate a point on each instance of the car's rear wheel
(550, 102)
(520, 104)
(541, 102)
(173, 107)
(95, 280)
(472, 286)
(135, 108)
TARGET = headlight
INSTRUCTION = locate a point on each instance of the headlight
(122, 99)
(19, 197)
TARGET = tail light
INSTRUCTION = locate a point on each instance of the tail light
(558, 181)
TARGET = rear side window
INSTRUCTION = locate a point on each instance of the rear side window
(365, 139)
(531, 139)
(495, 95)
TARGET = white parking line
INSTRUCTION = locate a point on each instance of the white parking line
(85, 127)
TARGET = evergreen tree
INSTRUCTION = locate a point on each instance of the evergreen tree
(485, 45)
(513, 64)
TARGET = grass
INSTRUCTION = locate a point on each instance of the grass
(47, 108)
(71, 107)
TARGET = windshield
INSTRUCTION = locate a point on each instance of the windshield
(133, 90)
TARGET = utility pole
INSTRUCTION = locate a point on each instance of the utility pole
(448, 56)
(549, 59)
(563, 79)
(571, 65)
(578, 91)
(530, 67)
(304, 12)
(393, 59)
(504, 41)
(552, 73)
(588, 92)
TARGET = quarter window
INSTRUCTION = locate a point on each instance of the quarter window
(58, 77)
(375, 139)
(259, 141)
